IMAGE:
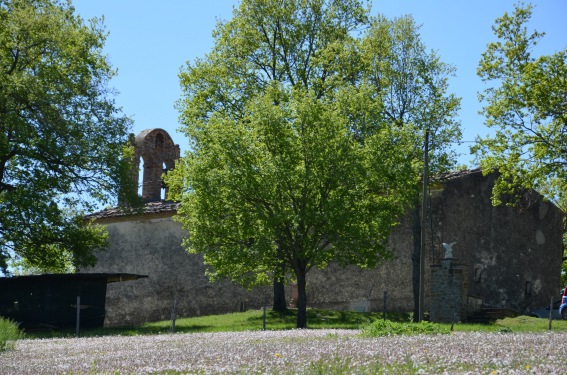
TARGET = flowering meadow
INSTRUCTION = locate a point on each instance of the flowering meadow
(292, 352)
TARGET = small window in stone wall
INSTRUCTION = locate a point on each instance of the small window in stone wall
(528, 289)
(478, 274)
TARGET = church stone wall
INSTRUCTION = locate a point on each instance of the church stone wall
(513, 253)
(351, 287)
(153, 247)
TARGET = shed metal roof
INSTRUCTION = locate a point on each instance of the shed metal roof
(110, 277)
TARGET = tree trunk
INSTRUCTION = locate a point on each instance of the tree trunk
(279, 288)
(279, 295)
(415, 257)
(301, 299)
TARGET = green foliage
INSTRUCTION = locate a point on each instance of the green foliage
(291, 176)
(526, 107)
(299, 154)
(408, 85)
(22, 266)
(9, 333)
(390, 328)
(61, 137)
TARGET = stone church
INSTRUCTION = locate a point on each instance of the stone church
(510, 257)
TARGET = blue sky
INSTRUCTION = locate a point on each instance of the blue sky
(150, 41)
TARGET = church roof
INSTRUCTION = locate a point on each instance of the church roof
(151, 208)
(447, 176)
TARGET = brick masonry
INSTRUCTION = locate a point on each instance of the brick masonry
(158, 152)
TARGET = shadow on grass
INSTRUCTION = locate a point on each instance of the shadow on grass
(233, 322)
(319, 318)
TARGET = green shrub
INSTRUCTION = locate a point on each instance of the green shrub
(9, 333)
(389, 328)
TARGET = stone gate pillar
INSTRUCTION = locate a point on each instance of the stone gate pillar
(449, 292)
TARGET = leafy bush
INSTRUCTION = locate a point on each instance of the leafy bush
(9, 333)
(389, 328)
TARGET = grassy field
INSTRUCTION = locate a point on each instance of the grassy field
(495, 350)
(317, 319)
(216, 344)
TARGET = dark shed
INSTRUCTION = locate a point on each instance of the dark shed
(51, 300)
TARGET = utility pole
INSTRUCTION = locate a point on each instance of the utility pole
(423, 222)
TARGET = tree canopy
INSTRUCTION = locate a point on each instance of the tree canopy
(526, 105)
(61, 136)
(302, 151)
(411, 85)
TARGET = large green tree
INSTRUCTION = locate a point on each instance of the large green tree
(289, 183)
(61, 136)
(526, 105)
(297, 157)
(269, 42)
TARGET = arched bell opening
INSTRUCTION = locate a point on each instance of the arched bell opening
(156, 155)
